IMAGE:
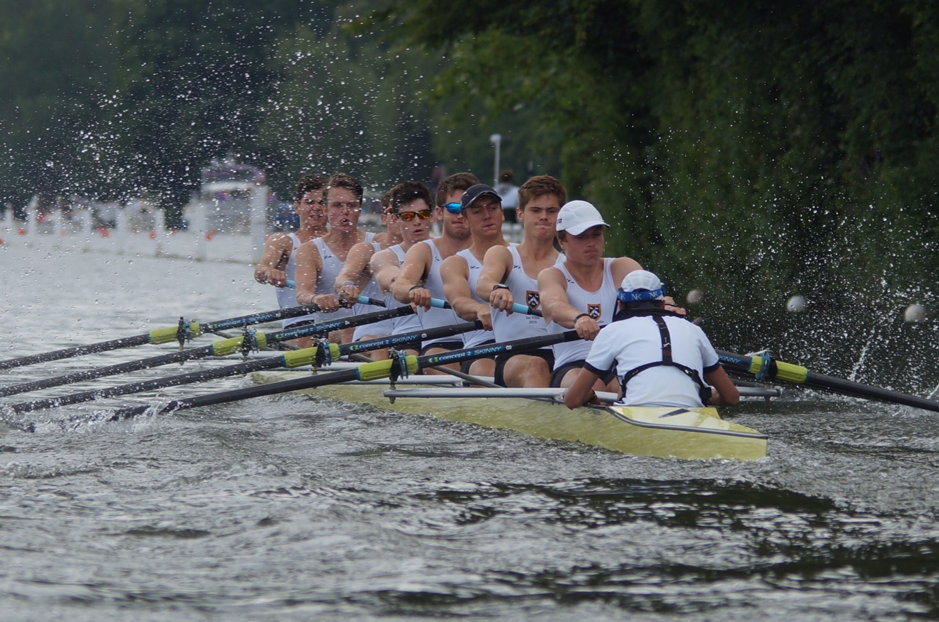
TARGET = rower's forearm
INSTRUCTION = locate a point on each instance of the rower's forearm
(402, 289)
(466, 308)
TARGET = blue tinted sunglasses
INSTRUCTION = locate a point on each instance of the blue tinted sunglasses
(453, 208)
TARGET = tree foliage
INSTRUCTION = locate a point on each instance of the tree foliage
(754, 150)
(55, 66)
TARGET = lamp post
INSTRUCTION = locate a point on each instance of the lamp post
(496, 139)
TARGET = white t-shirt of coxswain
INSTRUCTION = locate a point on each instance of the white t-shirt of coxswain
(598, 304)
(636, 341)
(326, 284)
(524, 291)
(475, 268)
(436, 317)
(287, 296)
(371, 290)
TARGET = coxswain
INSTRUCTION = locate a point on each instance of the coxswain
(660, 358)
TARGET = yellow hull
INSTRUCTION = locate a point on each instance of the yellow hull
(697, 434)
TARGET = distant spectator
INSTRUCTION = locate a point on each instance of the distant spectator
(508, 191)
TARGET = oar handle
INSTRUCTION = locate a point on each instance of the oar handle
(516, 307)
(362, 300)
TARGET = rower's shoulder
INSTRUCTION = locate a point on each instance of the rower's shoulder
(621, 266)
(419, 251)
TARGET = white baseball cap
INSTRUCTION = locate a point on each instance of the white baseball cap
(640, 285)
(578, 216)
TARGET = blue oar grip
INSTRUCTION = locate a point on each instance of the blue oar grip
(520, 308)
(290, 284)
(440, 304)
(375, 302)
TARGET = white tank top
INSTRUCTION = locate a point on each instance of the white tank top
(436, 317)
(524, 290)
(599, 305)
(475, 268)
(375, 329)
(287, 296)
(326, 284)
(404, 323)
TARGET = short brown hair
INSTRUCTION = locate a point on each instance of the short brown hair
(386, 202)
(348, 182)
(538, 186)
(309, 183)
(408, 191)
(457, 181)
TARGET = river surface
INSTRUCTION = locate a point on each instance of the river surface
(293, 508)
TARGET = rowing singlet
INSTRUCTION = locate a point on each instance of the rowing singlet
(287, 296)
(599, 305)
(326, 284)
(475, 268)
(403, 323)
(524, 290)
(436, 317)
(377, 329)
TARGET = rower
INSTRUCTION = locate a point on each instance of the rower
(356, 277)
(278, 261)
(481, 206)
(411, 211)
(419, 280)
(510, 274)
(578, 293)
(320, 260)
(659, 356)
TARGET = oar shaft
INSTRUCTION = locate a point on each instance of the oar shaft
(259, 318)
(346, 375)
(56, 355)
(779, 370)
(149, 385)
(112, 370)
(159, 335)
(222, 347)
(291, 359)
(366, 371)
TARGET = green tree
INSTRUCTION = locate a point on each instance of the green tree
(754, 150)
(197, 77)
(56, 64)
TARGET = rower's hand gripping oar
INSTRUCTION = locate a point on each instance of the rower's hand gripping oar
(222, 347)
(318, 356)
(183, 331)
(398, 366)
(516, 307)
(362, 300)
(765, 367)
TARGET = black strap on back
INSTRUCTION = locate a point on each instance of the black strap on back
(704, 391)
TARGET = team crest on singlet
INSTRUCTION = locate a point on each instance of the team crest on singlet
(595, 311)
(533, 298)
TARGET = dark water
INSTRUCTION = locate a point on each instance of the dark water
(290, 508)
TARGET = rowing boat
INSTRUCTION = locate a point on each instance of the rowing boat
(693, 433)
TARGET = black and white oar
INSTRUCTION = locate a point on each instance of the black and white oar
(182, 332)
(391, 368)
(315, 355)
(222, 347)
(765, 367)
